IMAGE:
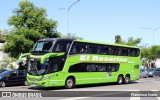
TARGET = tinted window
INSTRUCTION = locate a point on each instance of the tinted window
(56, 66)
(62, 46)
(92, 49)
(158, 69)
(21, 73)
(14, 73)
(78, 48)
(43, 46)
(88, 67)
(104, 49)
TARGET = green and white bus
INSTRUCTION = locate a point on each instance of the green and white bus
(68, 62)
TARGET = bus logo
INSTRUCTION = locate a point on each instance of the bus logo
(102, 59)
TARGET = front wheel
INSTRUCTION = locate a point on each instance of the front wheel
(70, 83)
(120, 79)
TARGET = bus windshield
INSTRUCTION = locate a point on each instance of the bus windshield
(43, 46)
(36, 68)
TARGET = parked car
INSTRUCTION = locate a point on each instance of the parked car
(143, 73)
(2, 70)
(12, 77)
(157, 72)
(151, 72)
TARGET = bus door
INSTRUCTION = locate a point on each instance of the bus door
(55, 70)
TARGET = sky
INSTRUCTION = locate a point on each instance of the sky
(98, 20)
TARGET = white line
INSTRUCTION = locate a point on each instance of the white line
(91, 96)
(76, 98)
(134, 98)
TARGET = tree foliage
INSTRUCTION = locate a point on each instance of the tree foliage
(3, 36)
(30, 24)
(151, 53)
(118, 39)
(72, 36)
(131, 41)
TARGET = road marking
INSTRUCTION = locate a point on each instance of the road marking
(134, 98)
(76, 98)
(91, 96)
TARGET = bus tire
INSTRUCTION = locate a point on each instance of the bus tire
(70, 83)
(127, 79)
(120, 79)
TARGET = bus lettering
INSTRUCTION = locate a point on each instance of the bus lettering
(102, 59)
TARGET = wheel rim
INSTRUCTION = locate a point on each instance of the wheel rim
(70, 83)
(127, 79)
(3, 84)
(120, 80)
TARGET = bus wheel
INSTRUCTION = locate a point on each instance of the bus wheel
(70, 83)
(127, 79)
(120, 79)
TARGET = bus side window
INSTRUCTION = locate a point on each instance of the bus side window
(101, 68)
(91, 67)
(111, 50)
(92, 49)
(78, 48)
(137, 52)
(104, 49)
(124, 52)
(130, 52)
(81, 49)
(73, 50)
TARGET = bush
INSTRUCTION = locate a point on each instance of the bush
(6, 63)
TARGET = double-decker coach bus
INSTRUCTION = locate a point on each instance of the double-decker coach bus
(69, 62)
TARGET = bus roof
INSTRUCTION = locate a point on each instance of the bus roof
(55, 39)
(121, 45)
(69, 39)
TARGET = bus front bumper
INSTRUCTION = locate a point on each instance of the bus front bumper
(46, 83)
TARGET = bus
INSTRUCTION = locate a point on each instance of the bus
(69, 62)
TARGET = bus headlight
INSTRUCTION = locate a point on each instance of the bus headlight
(47, 77)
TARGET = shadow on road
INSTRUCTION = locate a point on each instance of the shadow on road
(79, 86)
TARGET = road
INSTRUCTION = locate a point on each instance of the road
(141, 87)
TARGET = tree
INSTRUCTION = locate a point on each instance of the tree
(73, 36)
(150, 54)
(30, 24)
(118, 39)
(131, 41)
(3, 36)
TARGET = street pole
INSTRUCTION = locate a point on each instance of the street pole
(68, 15)
(153, 31)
